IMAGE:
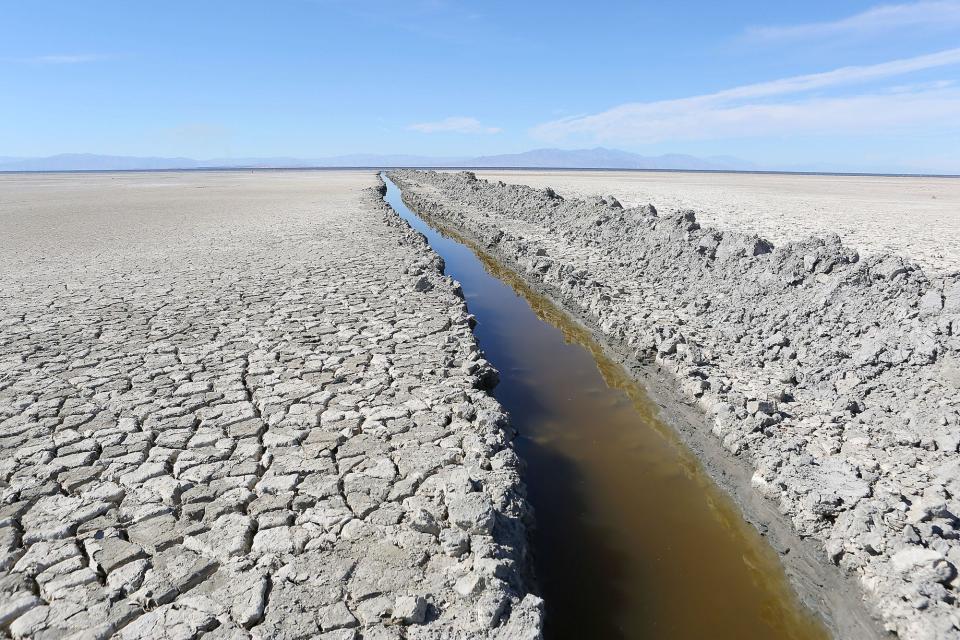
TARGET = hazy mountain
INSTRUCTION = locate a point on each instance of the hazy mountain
(598, 158)
(93, 162)
(391, 160)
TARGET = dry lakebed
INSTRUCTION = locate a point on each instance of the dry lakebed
(418, 405)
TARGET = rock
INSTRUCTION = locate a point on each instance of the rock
(761, 406)
(736, 246)
(230, 535)
(667, 347)
(526, 621)
(157, 533)
(776, 340)
(490, 608)
(468, 585)
(707, 245)
(374, 610)
(454, 542)
(472, 512)
(126, 579)
(337, 616)
(423, 285)
(278, 540)
(191, 388)
(410, 609)
(421, 520)
(889, 268)
(914, 560)
(249, 599)
(174, 571)
(948, 440)
(12, 609)
(931, 302)
(112, 553)
(170, 621)
(952, 298)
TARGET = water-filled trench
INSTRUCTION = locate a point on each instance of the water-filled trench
(633, 539)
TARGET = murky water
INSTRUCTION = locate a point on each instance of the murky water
(633, 539)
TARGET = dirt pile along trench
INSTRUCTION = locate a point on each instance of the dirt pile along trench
(835, 379)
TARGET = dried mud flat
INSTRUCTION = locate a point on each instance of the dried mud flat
(245, 405)
(917, 217)
(834, 378)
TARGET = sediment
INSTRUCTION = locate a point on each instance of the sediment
(265, 419)
(834, 379)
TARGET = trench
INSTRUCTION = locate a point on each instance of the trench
(633, 539)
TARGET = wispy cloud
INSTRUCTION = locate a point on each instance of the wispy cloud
(66, 59)
(752, 110)
(456, 124)
(937, 14)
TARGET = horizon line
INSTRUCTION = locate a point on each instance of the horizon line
(484, 168)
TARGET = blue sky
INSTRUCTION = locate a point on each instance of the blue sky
(858, 85)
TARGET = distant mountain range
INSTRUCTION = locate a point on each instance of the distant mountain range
(597, 158)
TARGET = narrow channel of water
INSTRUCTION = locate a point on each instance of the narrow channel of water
(633, 539)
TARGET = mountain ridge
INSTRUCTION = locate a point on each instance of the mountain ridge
(596, 158)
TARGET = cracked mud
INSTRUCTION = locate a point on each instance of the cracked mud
(245, 406)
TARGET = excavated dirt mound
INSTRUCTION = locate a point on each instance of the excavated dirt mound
(836, 378)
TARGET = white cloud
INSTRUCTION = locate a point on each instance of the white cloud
(749, 111)
(880, 19)
(841, 76)
(66, 59)
(456, 124)
(854, 114)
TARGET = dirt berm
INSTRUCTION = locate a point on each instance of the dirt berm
(835, 380)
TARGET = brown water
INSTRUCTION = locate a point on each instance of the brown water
(633, 539)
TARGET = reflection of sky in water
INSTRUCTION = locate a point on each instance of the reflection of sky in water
(633, 539)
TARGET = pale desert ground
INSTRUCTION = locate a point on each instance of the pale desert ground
(915, 217)
(220, 395)
(249, 403)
